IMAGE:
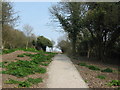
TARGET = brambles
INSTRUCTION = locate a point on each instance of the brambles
(107, 70)
(101, 76)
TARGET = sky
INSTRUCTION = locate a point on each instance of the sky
(37, 15)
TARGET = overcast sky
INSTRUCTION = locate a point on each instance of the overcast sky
(37, 15)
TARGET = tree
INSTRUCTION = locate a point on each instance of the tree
(7, 20)
(43, 42)
(98, 21)
(70, 17)
(27, 30)
(8, 14)
(64, 46)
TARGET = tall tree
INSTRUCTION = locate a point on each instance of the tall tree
(69, 15)
(7, 19)
(102, 20)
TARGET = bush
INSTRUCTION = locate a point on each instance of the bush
(107, 70)
(114, 83)
(101, 76)
(93, 67)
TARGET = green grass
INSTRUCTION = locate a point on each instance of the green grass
(101, 76)
(93, 67)
(114, 83)
(107, 70)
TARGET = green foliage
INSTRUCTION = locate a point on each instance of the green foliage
(43, 42)
(45, 64)
(27, 83)
(82, 64)
(101, 76)
(24, 68)
(24, 84)
(11, 81)
(8, 51)
(86, 81)
(107, 70)
(93, 67)
(114, 83)
(2, 64)
(20, 56)
(34, 81)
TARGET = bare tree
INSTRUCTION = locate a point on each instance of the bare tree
(28, 31)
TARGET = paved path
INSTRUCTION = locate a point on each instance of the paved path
(63, 74)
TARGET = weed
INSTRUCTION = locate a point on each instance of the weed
(93, 67)
(82, 64)
(22, 68)
(20, 55)
(114, 83)
(101, 76)
(24, 84)
(86, 81)
(107, 70)
(11, 81)
(34, 81)
(45, 64)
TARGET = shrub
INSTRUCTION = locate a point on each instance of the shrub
(101, 76)
(82, 64)
(107, 70)
(114, 83)
(93, 67)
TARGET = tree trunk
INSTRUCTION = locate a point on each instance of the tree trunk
(88, 54)
(27, 45)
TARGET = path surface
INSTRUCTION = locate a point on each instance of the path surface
(63, 74)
